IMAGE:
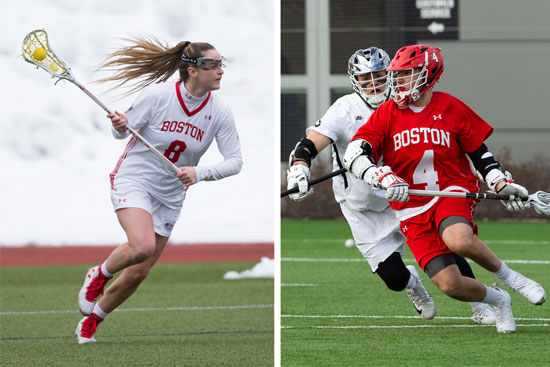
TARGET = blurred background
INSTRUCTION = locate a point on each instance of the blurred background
(495, 54)
(56, 147)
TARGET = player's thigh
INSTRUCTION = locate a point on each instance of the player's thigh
(138, 225)
(376, 234)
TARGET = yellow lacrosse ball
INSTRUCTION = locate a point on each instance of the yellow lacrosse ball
(53, 67)
(39, 54)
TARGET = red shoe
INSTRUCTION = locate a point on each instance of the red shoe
(86, 329)
(93, 287)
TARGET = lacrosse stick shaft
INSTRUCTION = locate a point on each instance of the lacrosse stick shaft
(130, 129)
(464, 195)
(540, 200)
(313, 182)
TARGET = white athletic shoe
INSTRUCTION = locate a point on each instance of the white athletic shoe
(483, 314)
(86, 329)
(504, 318)
(528, 288)
(419, 296)
(94, 282)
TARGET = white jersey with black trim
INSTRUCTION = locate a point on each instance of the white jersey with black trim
(340, 123)
(182, 127)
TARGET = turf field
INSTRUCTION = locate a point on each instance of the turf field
(335, 312)
(182, 315)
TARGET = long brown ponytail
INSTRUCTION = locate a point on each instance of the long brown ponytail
(148, 61)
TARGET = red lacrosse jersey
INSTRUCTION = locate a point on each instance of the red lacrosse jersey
(427, 149)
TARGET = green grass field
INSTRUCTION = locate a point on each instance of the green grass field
(335, 312)
(182, 315)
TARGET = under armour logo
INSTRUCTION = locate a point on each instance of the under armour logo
(405, 229)
(208, 117)
(437, 117)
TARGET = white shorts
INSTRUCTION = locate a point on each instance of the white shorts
(377, 234)
(132, 195)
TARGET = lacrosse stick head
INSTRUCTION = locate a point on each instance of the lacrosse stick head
(541, 201)
(51, 63)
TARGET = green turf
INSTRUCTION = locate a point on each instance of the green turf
(199, 337)
(348, 288)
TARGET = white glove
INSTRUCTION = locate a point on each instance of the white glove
(512, 188)
(298, 175)
(383, 178)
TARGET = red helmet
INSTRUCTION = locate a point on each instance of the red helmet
(429, 59)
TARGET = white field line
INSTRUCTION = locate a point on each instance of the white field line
(396, 317)
(404, 326)
(297, 285)
(398, 326)
(191, 308)
(489, 242)
(310, 259)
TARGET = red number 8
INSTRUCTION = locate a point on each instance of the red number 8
(174, 150)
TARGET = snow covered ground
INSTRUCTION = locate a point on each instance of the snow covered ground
(56, 149)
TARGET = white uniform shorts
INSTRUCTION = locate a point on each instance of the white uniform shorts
(377, 234)
(132, 195)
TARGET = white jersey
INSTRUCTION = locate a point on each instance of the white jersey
(182, 127)
(340, 123)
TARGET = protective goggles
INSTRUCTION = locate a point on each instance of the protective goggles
(206, 63)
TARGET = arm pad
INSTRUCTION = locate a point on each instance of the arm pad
(484, 161)
(304, 151)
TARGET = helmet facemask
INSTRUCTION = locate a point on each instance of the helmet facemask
(372, 62)
(407, 92)
(373, 90)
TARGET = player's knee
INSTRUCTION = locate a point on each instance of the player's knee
(393, 272)
(143, 249)
(463, 245)
(451, 287)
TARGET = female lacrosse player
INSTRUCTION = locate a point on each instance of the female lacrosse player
(429, 140)
(181, 119)
(373, 223)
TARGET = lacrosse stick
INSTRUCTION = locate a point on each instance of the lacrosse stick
(37, 51)
(540, 200)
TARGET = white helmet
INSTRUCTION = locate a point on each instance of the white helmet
(368, 61)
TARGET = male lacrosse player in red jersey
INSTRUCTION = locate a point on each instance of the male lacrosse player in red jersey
(181, 119)
(428, 140)
(373, 223)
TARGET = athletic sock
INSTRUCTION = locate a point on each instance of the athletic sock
(412, 282)
(99, 312)
(493, 296)
(503, 273)
(104, 270)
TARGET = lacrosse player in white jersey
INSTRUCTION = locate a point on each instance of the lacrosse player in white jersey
(181, 119)
(373, 223)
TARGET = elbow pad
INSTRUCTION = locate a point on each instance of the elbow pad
(356, 158)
